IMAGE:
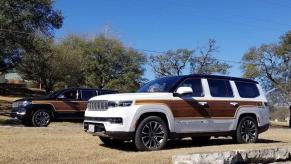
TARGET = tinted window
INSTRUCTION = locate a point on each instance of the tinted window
(220, 88)
(160, 85)
(87, 94)
(54, 94)
(106, 92)
(71, 94)
(196, 86)
(247, 90)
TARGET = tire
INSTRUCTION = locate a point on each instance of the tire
(41, 118)
(151, 134)
(201, 139)
(247, 131)
(110, 142)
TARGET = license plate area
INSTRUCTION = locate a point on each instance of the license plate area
(91, 128)
(96, 128)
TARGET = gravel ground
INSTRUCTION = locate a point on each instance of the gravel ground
(64, 142)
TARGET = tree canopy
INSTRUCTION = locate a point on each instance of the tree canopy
(43, 65)
(175, 62)
(206, 63)
(170, 63)
(271, 65)
(75, 61)
(21, 21)
(110, 65)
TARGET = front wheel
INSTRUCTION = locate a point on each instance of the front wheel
(151, 134)
(41, 118)
(247, 130)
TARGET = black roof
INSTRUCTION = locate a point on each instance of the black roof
(223, 77)
(83, 88)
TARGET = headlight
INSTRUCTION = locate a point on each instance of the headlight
(112, 104)
(21, 104)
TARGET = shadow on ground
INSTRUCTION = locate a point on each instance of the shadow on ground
(10, 122)
(184, 143)
(5, 120)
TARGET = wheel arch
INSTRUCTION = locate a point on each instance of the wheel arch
(241, 115)
(162, 112)
(47, 107)
(253, 115)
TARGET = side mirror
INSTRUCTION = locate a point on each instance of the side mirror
(60, 97)
(183, 90)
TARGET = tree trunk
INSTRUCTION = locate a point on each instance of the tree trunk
(290, 116)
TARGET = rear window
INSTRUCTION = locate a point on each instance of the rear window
(106, 92)
(247, 90)
(220, 88)
(87, 94)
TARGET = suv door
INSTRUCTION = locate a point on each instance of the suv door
(192, 114)
(222, 105)
(69, 104)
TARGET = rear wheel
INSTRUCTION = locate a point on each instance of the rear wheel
(247, 130)
(41, 118)
(151, 134)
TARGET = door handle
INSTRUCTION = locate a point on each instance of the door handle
(234, 104)
(203, 104)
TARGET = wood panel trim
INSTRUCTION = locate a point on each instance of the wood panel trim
(185, 104)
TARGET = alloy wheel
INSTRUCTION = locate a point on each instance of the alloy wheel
(152, 134)
(41, 118)
(248, 131)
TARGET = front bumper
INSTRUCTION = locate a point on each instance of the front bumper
(100, 130)
(264, 128)
(19, 113)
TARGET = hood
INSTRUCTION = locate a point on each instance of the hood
(133, 96)
(35, 98)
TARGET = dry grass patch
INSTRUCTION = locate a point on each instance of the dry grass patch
(9, 98)
(280, 124)
(5, 104)
(64, 142)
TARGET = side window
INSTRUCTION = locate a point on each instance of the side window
(220, 88)
(247, 90)
(71, 94)
(87, 94)
(195, 84)
(106, 92)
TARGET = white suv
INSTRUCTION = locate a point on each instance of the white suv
(197, 106)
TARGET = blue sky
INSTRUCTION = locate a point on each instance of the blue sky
(171, 24)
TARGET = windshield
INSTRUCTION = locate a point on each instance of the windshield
(160, 85)
(54, 94)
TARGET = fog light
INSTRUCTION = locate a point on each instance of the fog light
(116, 120)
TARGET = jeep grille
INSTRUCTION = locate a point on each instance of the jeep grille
(97, 105)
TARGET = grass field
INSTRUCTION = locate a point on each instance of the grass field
(64, 142)
(5, 104)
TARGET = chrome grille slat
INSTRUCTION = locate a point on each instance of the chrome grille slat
(97, 105)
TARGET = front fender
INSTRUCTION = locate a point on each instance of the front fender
(142, 109)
